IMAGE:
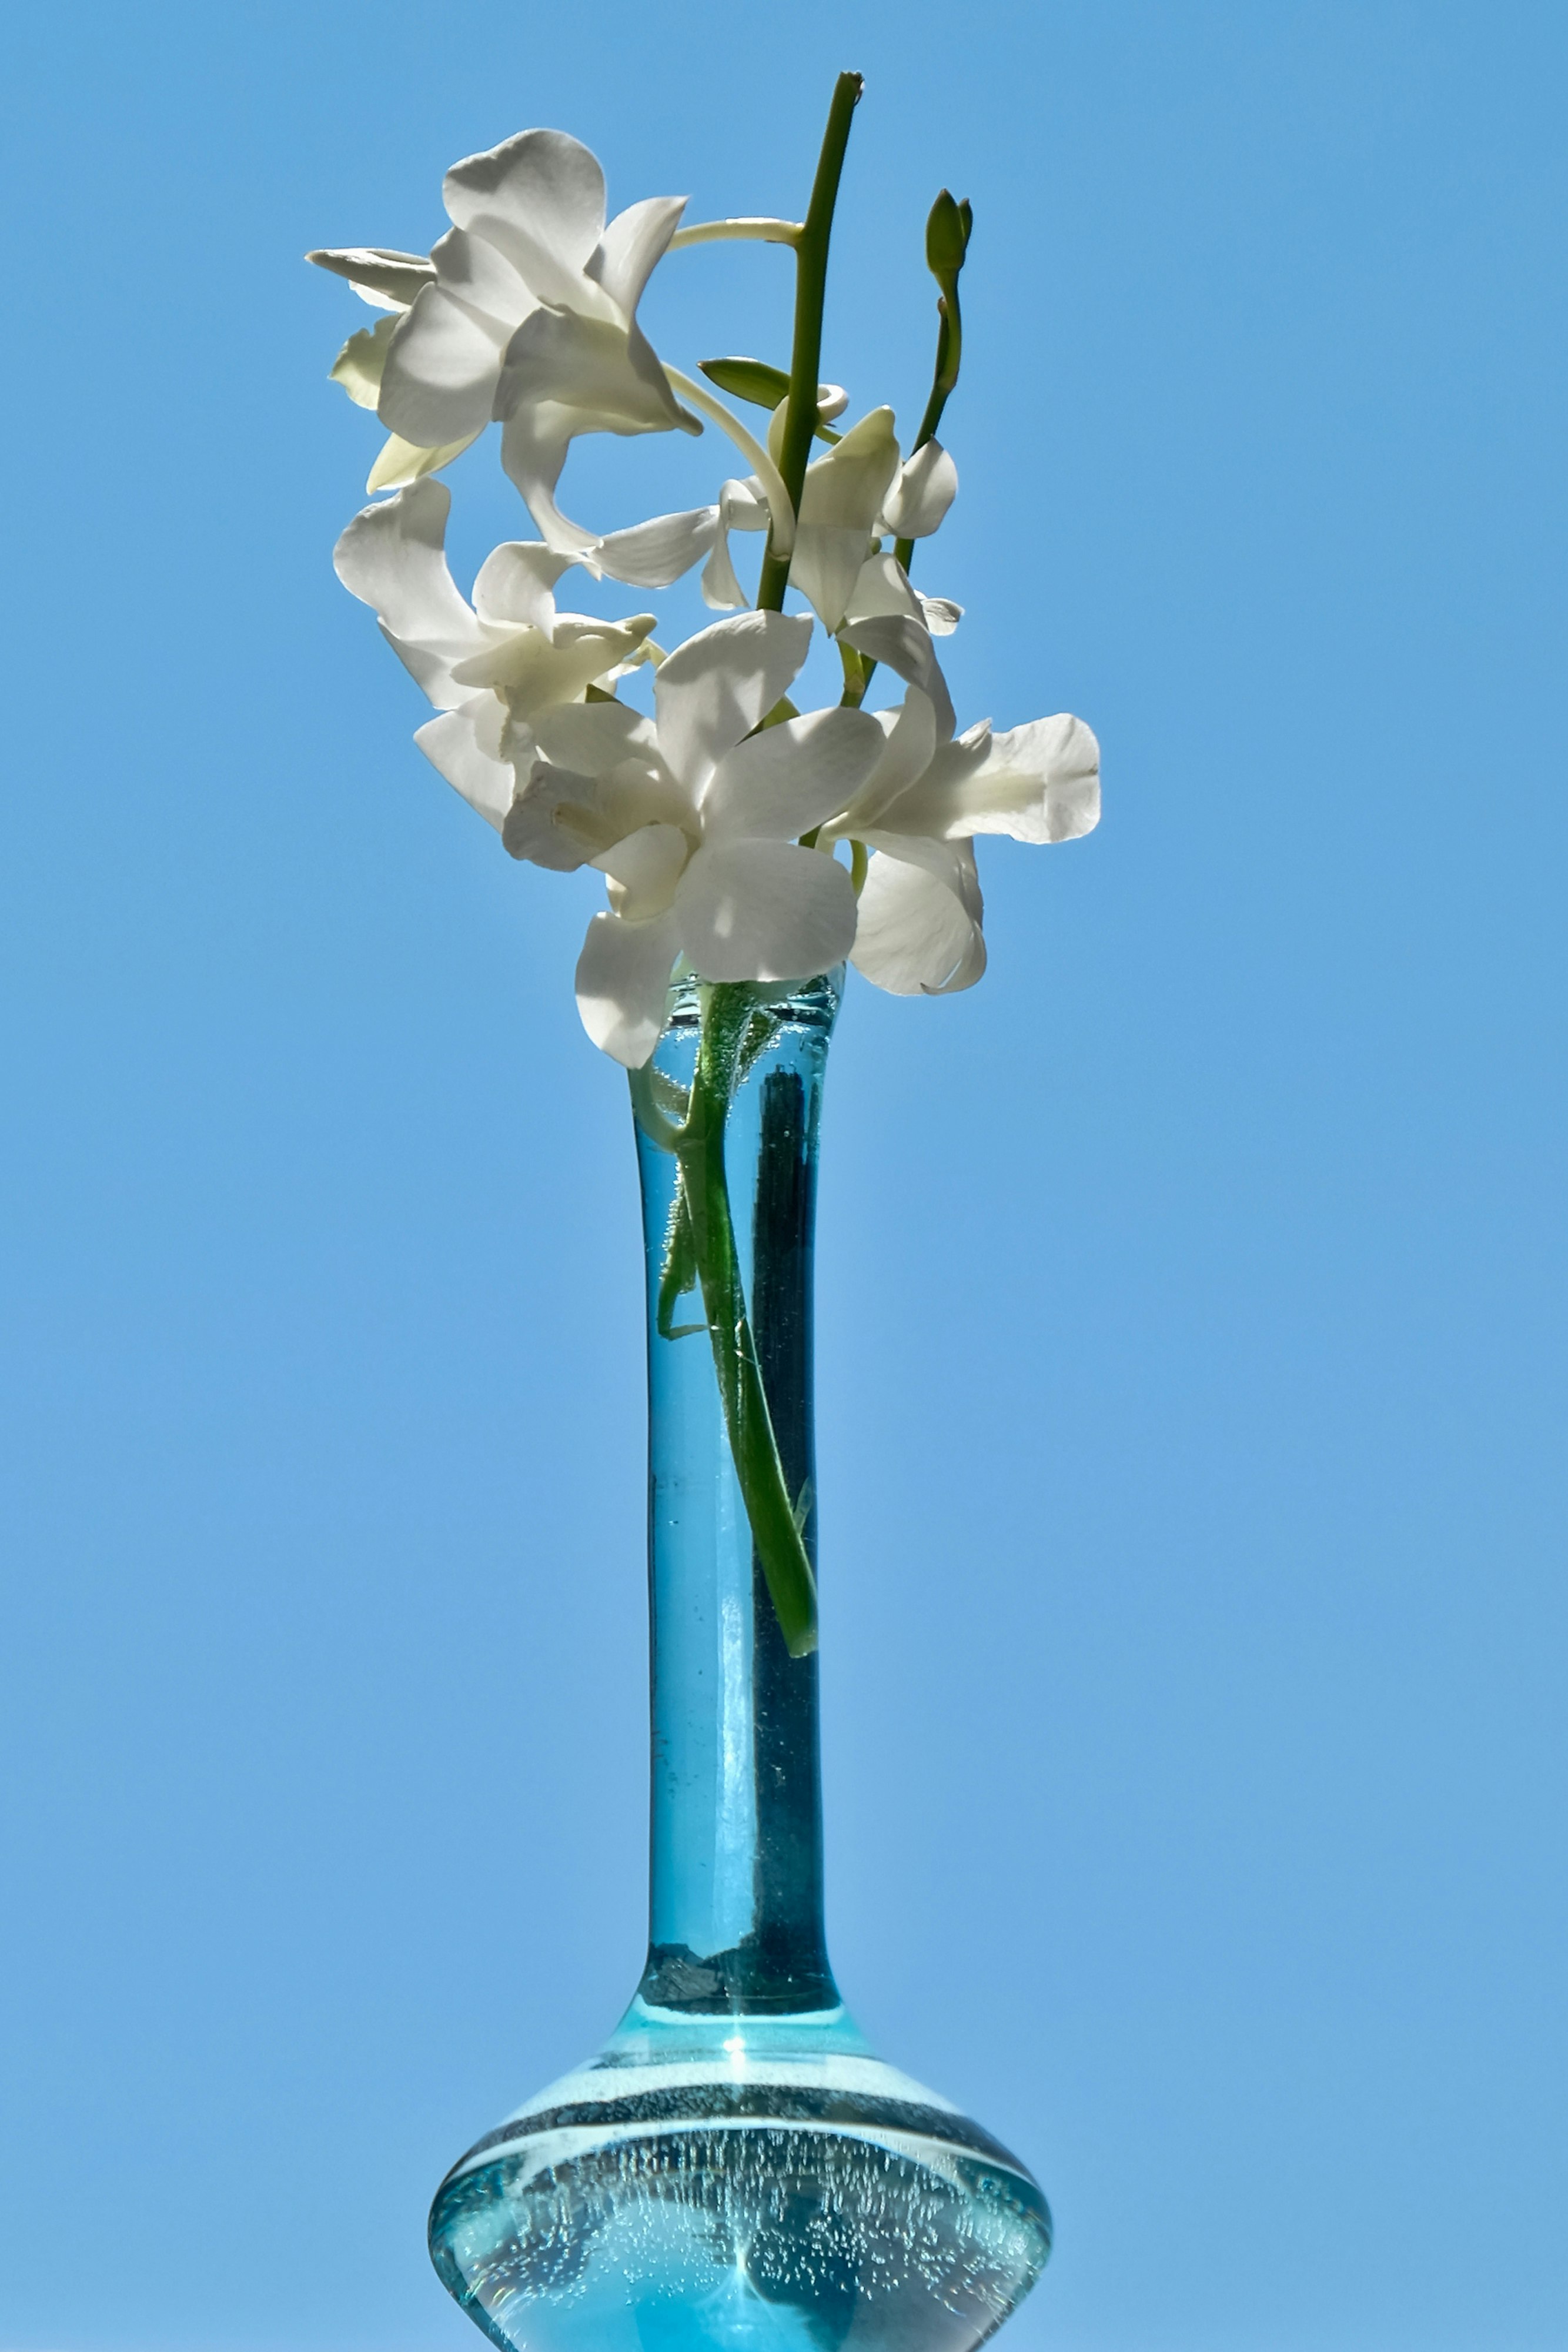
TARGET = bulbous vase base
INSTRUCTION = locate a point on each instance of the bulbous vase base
(754, 2184)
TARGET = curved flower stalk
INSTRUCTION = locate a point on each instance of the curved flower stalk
(720, 820)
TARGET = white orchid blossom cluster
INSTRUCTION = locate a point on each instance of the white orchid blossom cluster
(740, 839)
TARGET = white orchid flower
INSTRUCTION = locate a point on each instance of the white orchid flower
(920, 929)
(488, 666)
(695, 819)
(854, 496)
(860, 492)
(527, 311)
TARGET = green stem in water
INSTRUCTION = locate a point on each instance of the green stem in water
(811, 291)
(768, 1504)
(702, 1245)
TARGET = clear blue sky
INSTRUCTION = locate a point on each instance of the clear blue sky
(1192, 1342)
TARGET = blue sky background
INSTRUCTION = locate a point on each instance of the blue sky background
(1192, 1342)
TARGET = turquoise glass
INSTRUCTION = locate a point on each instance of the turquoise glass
(736, 2168)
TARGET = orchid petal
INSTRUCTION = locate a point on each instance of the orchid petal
(358, 366)
(925, 487)
(402, 462)
(623, 984)
(439, 380)
(721, 590)
(909, 745)
(920, 913)
(532, 671)
(1039, 783)
(643, 868)
(940, 614)
(561, 818)
(387, 280)
(764, 910)
(392, 558)
(538, 198)
(721, 684)
(534, 443)
(634, 243)
(791, 777)
(881, 588)
(906, 646)
(742, 506)
(461, 745)
(651, 554)
(593, 737)
(605, 376)
(515, 582)
(839, 501)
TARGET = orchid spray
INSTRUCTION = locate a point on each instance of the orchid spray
(719, 822)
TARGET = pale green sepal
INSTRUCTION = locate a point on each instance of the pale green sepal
(358, 366)
(402, 462)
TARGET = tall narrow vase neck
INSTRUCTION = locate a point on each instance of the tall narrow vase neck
(735, 1883)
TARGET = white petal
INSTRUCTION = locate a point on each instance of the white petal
(402, 462)
(906, 646)
(919, 931)
(645, 867)
(462, 746)
(941, 615)
(651, 554)
(925, 488)
(721, 592)
(445, 356)
(483, 280)
(744, 505)
(392, 558)
(532, 672)
(633, 242)
(1055, 765)
(623, 984)
(516, 581)
(538, 198)
(764, 910)
(741, 507)
(388, 280)
(440, 387)
(793, 776)
(839, 503)
(358, 366)
(1039, 783)
(604, 376)
(592, 737)
(909, 744)
(562, 819)
(533, 450)
(721, 684)
(882, 587)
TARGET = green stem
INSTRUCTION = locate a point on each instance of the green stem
(806, 356)
(699, 1151)
(947, 233)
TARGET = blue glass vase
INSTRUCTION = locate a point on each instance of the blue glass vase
(735, 2168)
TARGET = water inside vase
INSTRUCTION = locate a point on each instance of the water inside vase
(776, 2188)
